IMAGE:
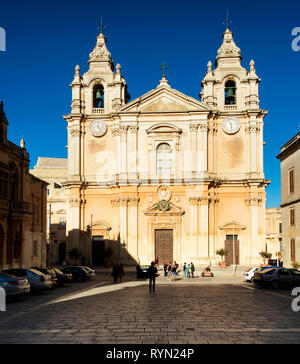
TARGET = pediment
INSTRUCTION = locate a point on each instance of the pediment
(164, 100)
(173, 210)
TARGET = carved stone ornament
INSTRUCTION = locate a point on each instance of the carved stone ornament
(98, 128)
(100, 52)
(75, 133)
(164, 193)
(229, 48)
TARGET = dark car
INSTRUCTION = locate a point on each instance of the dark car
(91, 272)
(62, 278)
(14, 286)
(37, 280)
(142, 271)
(78, 273)
(277, 277)
(48, 271)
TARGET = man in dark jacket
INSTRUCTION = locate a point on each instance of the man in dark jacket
(152, 271)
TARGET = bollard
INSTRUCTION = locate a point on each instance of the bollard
(2, 300)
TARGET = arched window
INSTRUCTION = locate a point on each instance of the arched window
(163, 159)
(98, 97)
(230, 93)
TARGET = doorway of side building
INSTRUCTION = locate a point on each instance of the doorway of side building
(232, 252)
(98, 250)
(164, 246)
(62, 253)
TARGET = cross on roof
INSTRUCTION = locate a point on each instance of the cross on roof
(102, 26)
(163, 68)
(228, 21)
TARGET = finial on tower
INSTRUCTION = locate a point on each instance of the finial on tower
(102, 26)
(228, 21)
(77, 70)
(22, 142)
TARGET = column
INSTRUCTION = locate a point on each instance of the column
(202, 156)
(133, 227)
(193, 150)
(253, 146)
(194, 248)
(132, 153)
(204, 232)
(123, 156)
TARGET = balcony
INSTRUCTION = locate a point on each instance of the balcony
(97, 111)
(19, 210)
(230, 107)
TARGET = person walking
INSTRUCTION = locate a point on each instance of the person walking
(115, 273)
(192, 269)
(165, 270)
(121, 273)
(184, 270)
(188, 269)
(152, 271)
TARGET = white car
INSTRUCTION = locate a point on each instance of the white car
(248, 276)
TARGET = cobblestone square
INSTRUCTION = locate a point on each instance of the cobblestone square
(191, 312)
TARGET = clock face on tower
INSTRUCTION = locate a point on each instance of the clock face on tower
(231, 125)
(98, 128)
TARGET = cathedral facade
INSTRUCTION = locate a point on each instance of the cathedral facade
(166, 176)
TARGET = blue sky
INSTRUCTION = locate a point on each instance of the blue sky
(45, 41)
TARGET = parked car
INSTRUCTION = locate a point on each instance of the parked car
(142, 271)
(277, 277)
(37, 280)
(249, 274)
(14, 286)
(48, 271)
(62, 278)
(78, 273)
(91, 272)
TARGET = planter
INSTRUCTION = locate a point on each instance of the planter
(223, 265)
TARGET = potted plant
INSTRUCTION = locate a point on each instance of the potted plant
(223, 253)
(265, 255)
(295, 265)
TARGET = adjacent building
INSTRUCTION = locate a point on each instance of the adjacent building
(290, 199)
(54, 172)
(166, 176)
(274, 243)
(22, 206)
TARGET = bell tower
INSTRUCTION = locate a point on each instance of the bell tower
(230, 87)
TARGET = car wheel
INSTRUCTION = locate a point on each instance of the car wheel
(275, 285)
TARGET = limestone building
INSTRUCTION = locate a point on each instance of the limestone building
(167, 176)
(274, 231)
(54, 172)
(290, 199)
(22, 206)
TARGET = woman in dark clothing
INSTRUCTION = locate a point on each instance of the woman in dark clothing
(152, 271)
(115, 273)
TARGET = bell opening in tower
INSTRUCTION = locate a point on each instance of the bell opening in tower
(230, 93)
(98, 97)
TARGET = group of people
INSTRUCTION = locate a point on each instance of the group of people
(171, 271)
(118, 273)
(188, 270)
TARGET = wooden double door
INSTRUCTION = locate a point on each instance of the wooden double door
(164, 246)
(232, 252)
